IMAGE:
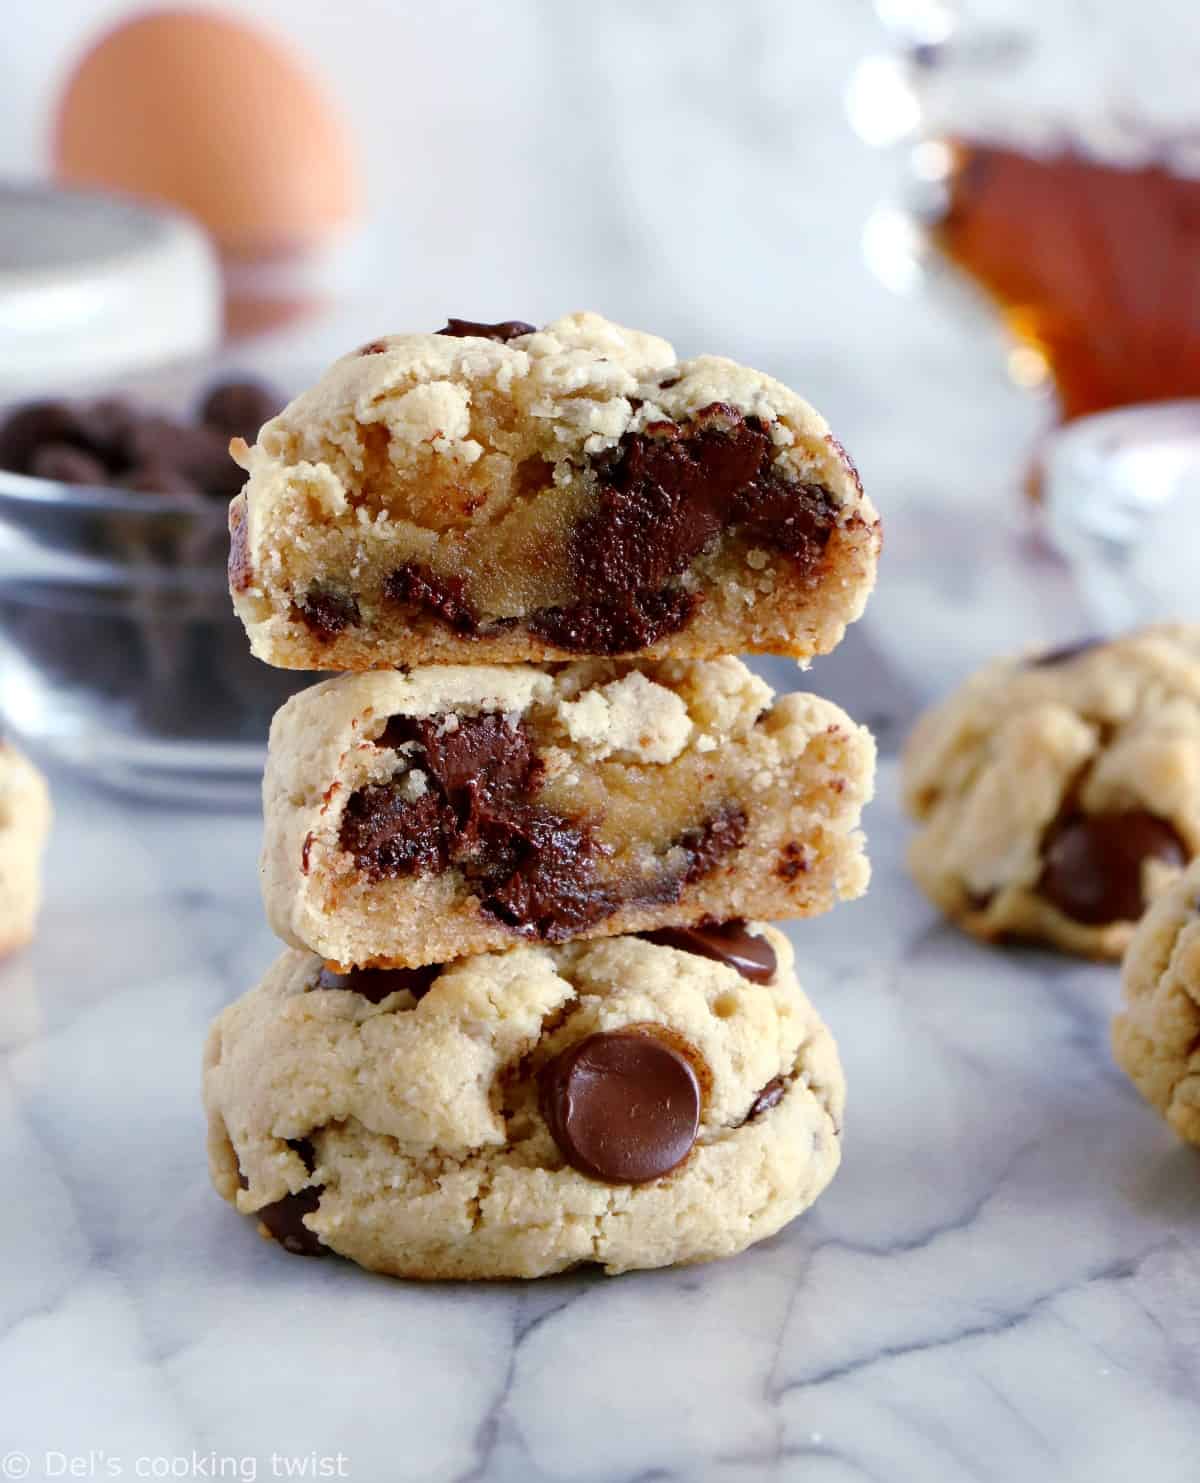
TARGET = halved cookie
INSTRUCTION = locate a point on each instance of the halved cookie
(416, 817)
(498, 494)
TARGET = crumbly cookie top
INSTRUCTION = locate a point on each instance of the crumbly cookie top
(584, 381)
(603, 708)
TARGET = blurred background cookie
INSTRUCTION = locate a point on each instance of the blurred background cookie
(1156, 1036)
(1056, 794)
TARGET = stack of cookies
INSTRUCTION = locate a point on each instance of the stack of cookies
(522, 849)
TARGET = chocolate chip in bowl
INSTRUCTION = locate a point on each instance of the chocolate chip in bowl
(119, 653)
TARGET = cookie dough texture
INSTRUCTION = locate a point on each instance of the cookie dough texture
(1156, 1037)
(643, 760)
(987, 773)
(475, 462)
(24, 824)
(427, 1143)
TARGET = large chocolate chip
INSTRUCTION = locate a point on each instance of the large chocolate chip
(623, 1106)
(1067, 651)
(725, 942)
(238, 409)
(770, 1095)
(376, 984)
(326, 614)
(507, 329)
(1092, 870)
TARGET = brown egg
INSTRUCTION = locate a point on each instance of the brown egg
(216, 117)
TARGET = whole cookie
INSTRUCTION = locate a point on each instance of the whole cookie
(1058, 794)
(24, 824)
(619, 1102)
(1156, 1038)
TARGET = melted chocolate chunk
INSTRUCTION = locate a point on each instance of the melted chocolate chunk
(664, 497)
(390, 835)
(666, 494)
(720, 835)
(1066, 652)
(767, 1098)
(416, 586)
(1092, 863)
(507, 329)
(532, 869)
(622, 1106)
(725, 942)
(480, 754)
(633, 621)
(326, 614)
(375, 984)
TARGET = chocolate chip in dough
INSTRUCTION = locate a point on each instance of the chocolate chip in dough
(730, 943)
(1093, 863)
(376, 984)
(623, 1106)
(505, 330)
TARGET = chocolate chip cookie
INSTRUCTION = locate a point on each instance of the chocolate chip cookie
(24, 824)
(1156, 1037)
(415, 817)
(1058, 794)
(623, 1102)
(495, 493)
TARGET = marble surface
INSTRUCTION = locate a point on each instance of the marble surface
(1003, 1281)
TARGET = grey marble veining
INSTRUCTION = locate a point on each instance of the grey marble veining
(1003, 1281)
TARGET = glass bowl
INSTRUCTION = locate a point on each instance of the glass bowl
(120, 654)
(1122, 503)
